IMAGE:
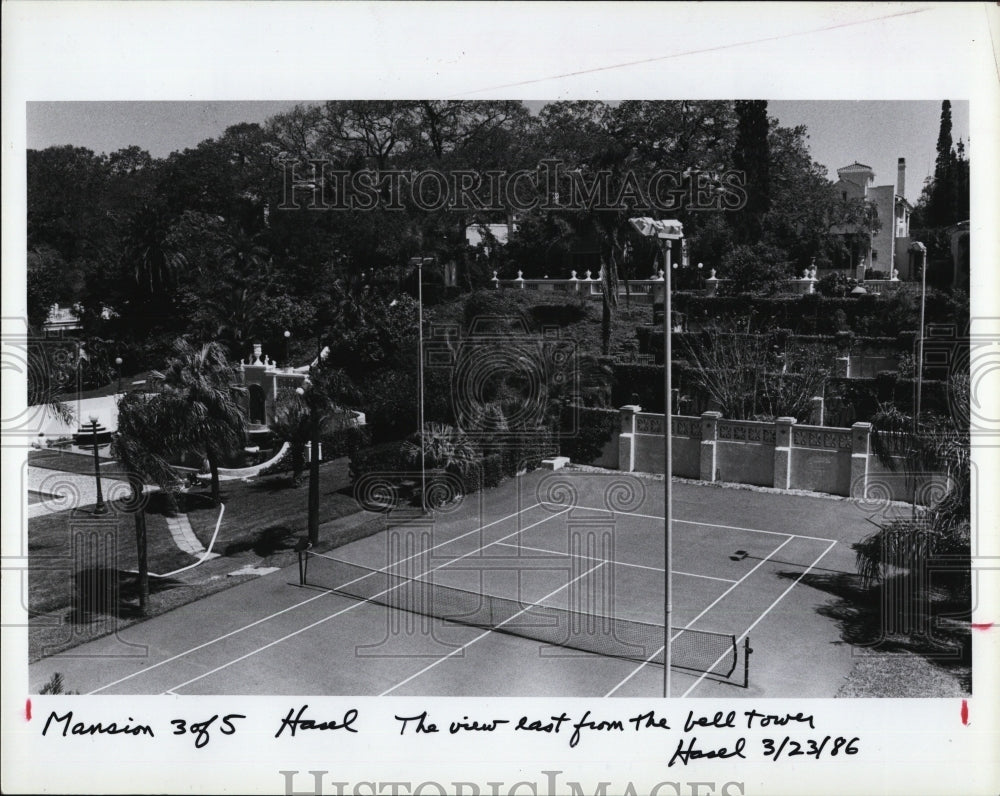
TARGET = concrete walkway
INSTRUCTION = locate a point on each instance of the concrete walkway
(63, 491)
(184, 538)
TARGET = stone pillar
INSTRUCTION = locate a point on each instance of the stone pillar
(816, 410)
(709, 445)
(783, 452)
(626, 439)
(860, 448)
(712, 284)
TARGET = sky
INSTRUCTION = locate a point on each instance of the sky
(875, 133)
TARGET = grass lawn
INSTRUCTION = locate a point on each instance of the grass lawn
(269, 514)
(111, 388)
(73, 551)
(68, 462)
(906, 675)
(264, 519)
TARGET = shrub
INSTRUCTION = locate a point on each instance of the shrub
(645, 381)
(443, 447)
(563, 313)
(833, 285)
(594, 428)
(387, 457)
(492, 470)
(345, 441)
(525, 451)
(754, 269)
(493, 311)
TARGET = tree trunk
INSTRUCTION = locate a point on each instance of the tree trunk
(213, 466)
(140, 546)
(298, 463)
(605, 325)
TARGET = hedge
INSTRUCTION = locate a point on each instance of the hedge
(344, 441)
(586, 430)
(525, 452)
(634, 381)
(861, 397)
(816, 314)
(514, 454)
(650, 341)
(385, 457)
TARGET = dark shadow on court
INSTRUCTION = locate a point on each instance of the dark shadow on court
(266, 542)
(894, 616)
(103, 592)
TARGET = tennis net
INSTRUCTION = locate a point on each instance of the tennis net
(696, 650)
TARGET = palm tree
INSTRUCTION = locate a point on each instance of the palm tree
(154, 259)
(292, 424)
(440, 447)
(147, 429)
(935, 532)
(202, 379)
(322, 396)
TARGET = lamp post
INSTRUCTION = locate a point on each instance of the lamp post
(288, 363)
(118, 364)
(307, 391)
(665, 232)
(920, 247)
(420, 380)
(100, 508)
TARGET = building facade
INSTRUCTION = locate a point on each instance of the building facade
(889, 245)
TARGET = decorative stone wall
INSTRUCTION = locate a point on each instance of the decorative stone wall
(780, 453)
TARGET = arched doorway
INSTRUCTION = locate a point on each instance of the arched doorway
(257, 411)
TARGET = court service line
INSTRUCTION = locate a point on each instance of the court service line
(765, 613)
(611, 561)
(705, 611)
(256, 622)
(358, 604)
(694, 522)
(485, 633)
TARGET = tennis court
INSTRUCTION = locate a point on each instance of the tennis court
(551, 585)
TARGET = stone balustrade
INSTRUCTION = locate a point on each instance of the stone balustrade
(589, 285)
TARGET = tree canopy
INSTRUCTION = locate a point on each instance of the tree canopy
(250, 234)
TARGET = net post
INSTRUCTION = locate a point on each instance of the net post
(747, 652)
(301, 547)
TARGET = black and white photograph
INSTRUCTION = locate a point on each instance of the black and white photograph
(340, 433)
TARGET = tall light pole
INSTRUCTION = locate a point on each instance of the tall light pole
(920, 247)
(420, 379)
(100, 508)
(288, 363)
(118, 364)
(665, 232)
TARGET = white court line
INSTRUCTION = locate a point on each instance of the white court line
(610, 561)
(296, 605)
(693, 522)
(766, 612)
(484, 634)
(366, 601)
(699, 616)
